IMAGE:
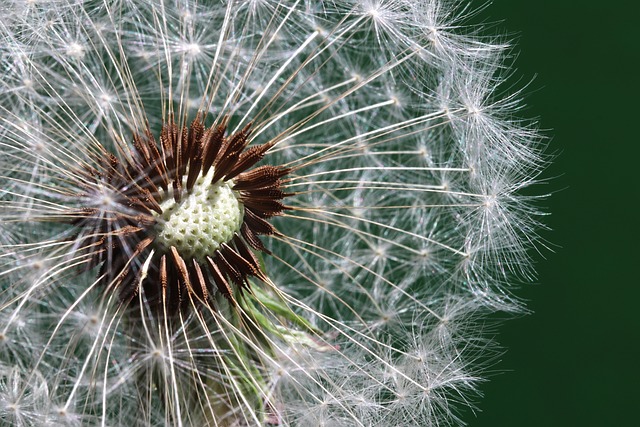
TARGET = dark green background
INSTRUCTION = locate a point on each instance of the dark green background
(574, 361)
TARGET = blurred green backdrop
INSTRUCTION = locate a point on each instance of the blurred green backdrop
(574, 361)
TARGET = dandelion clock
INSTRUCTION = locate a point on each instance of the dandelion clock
(254, 213)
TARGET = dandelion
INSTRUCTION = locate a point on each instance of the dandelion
(254, 213)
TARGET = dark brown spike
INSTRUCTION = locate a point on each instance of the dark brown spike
(249, 256)
(178, 170)
(126, 290)
(248, 158)
(201, 283)
(137, 205)
(141, 153)
(252, 238)
(173, 150)
(234, 143)
(177, 189)
(228, 268)
(260, 177)
(221, 282)
(163, 276)
(125, 231)
(181, 266)
(213, 139)
(194, 150)
(156, 159)
(196, 130)
(167, 141)
(230, 152)
(257, 223)
(195, 166)
(222, 167)
(242, 266)
(143, 220)
(181, 154)
(264, 208)
(264, 194)
(141, 246)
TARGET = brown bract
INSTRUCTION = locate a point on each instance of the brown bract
(119, 235)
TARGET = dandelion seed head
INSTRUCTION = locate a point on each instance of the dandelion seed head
(255, 212)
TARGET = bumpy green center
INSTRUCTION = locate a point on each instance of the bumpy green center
(205, 218)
